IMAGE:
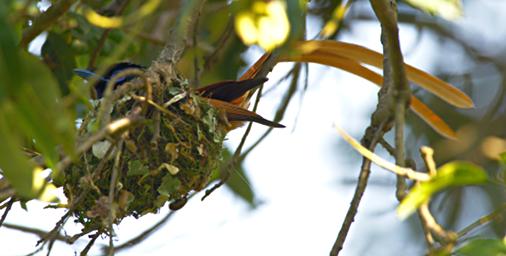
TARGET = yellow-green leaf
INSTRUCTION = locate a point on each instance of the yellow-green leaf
(116, 21)
(448, 9)
(502, 158)
(102, 21)
(455, 173)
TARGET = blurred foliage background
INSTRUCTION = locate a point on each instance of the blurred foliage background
(42, 42)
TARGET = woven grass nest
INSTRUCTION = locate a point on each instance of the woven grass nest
(162, 158)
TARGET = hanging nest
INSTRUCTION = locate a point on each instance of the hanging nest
(173, 150)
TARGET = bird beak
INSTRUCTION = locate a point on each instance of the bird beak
(88, 75)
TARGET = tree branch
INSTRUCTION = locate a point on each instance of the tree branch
(393, 98)
(386, 12)
(184, 28)
(43, 234)
(142, 236)
(429, 223)
(498, 213)
(371, 138)
(7, 210)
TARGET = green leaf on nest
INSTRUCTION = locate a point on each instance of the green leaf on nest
(455, 173)
(169, 185)
(135, 167)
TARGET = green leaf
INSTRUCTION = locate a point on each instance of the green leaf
(448, 9)
(16, 168)
(169, 185)
(483, 247)
(455, 173)
(41, 114)
(296, 10)
(239, 182)
(460, 173)
(135, 167)
(60, 58)
(502, 158)
(10, 63)
(30, 120)
(31, 112)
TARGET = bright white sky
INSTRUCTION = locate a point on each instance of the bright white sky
(304, 180)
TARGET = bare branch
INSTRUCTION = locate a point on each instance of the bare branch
(386, 12)
(142, 236)
(370, 140)
(38, 232)
(7, 210)
(483, 220)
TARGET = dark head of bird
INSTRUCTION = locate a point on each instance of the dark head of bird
(101, 81)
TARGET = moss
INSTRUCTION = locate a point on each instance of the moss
(150, 174)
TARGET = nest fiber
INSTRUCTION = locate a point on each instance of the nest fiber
(168, 154)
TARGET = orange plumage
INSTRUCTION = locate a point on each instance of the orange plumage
(232, 97)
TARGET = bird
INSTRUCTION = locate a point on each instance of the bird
(101, 81)
(227, 96)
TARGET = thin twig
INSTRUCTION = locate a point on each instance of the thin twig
(280, 112)
(55, 231)
(112, 192)
(38, 232)
(86, 249)
(106, 105)
(436, 229)
(96, 51)
(400, 171)
(429, 223)
(117, 7)
(386, 12)
(142, 236)
(427, 155)
(44, 20)
(370, 139)
(7, 210)
(483, 220)
(219, 45)
(428, 158)
(230, 166)
(175, 47)
(196, 67)
(429, 239)
(392, 96)
(110, 129)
